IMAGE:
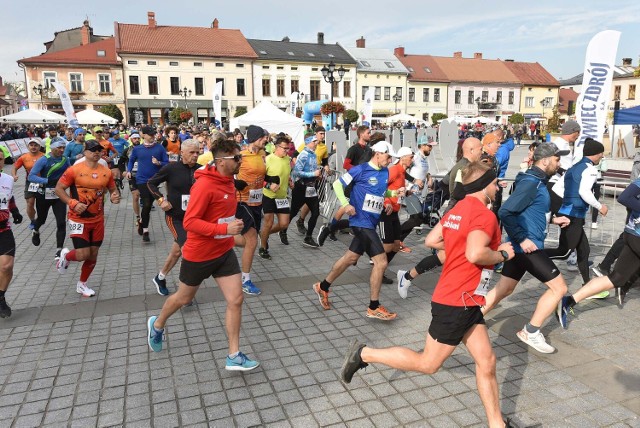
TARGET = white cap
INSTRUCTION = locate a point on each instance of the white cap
(383, 147)
(404, 151)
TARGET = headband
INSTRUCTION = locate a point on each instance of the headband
(480, 183)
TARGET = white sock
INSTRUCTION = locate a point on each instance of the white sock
(161, 276)
(145, 230)
(246, 277)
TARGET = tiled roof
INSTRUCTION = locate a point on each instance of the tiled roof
(423, 68)
(377, 61)
(531, 73)
(187, 41)
(474, 70)
(86, 54)
(300, 52)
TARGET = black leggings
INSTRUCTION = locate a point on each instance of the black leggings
(628, 263)
(415, 220)
(59, 211)
(572, 238)
(147, 201)
(298, 199)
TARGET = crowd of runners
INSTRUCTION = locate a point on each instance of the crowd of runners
(224, 190)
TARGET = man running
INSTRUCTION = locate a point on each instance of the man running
(179, 179)
(172, 143)
(210, 223)
(75, 149)
(524, 217)
(88, 182)
(7, 240)
(305, 173)
(322, 157)
(471, 234)
(134, 139)
(28, 160)
(369, 181)
(120, 144)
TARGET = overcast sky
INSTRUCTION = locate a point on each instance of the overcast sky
(553, 33)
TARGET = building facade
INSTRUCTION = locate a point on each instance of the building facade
(540, 90)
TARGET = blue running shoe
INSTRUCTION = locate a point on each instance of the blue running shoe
(154, 337)
(562, 311)
(32, 225)
(250, 288)
(241, 363)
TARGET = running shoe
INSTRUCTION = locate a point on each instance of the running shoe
(57, 255)
(352, 361)
(32, 225)
(145, 237)
(5, 310)
(371, 261)
(35, 238)
(264, 253)
(381, 313)
(601, 295)
(309, 242)
(594, 226)
(403, 284)
(62, 263)
(599, 271)
(283, 237)
(386, 280)
(301, 229)
(161, 285)
(562, 311)
(154, 337)
(250, 288)
(332, 237)
(139, 226)
(323, 234)
(323, 296)
(572, 266)
(621, 293)
(536, 341)
(404, 248)
(241, 363)
(81, 288)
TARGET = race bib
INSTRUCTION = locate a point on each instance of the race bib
(33, 187)
(116, 160)
(185, 202)
(75, 228)
(255, 196)
(174, 157)
(282, 203)
(310, 192)
(4, 201)
(221, 221)
(485, 280)
(50, 193)
(373, 204)
(135, 167)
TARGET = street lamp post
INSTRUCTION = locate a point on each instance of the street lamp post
(328, 75)
(544, 103)
(395, 99)
(185, 93)
(41, 91)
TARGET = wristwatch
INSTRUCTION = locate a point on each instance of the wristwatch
(160, 200)
(505, 255)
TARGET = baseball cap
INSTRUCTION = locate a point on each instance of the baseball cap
(38, 142)
(79, 131)
(134, 135)
(423, 139)
(404, 151)
(570, 126)
(92, 146)
(546, 150)
(57, 142)
(149, 130)
(98, 129)
(383, 147)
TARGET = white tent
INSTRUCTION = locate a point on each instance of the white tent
(273, 120)
(33, 116)
(401, 117)
(93, 117)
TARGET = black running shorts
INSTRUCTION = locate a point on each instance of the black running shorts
(449, 324)
(176, 229)
(7, 243)
(193, 273)
(366, 240)
(537, 264)
(271, 206)
(389, 227)
(251, 216)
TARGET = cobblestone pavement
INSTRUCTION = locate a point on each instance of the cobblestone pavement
(73, 361)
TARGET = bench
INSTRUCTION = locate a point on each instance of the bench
(616, 180)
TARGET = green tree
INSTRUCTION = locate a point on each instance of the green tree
(516, 119)
(240, 111)
(174, 115)
(351, 115)
(553, 124)
(435, 117)
(113, 111)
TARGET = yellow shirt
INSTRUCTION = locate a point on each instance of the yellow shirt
(281, 167)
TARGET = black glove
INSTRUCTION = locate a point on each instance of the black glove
(3, 224)
(240, 184)
(17, 217)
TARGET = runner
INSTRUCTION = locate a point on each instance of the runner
(53, 133)
(322, 157)
(369, 187)
(524, 217)
(27, 161)
(87, 182)
(46, 172)
(172, 143)
(134, 139)
(7, 240)
(120, 144)
(471, 234)
(208, 251)
(75, 149)
(179, 179)
(305, 173)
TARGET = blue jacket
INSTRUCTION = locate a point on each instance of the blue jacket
(502, 156)
(72, 150)
(306, 165)
(630, 198)
(143, 155)
(573, 204)
(524, 214)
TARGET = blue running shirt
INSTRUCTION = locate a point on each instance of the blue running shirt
(367, 194)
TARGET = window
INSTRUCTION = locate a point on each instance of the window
(199, 85)
(240, 91)
(220, 64)
(101, 53)
(511, 97)
(549, 101)
(528, 102)
(376, 95)
(49, 77)
(265, 67)
(132, 62)
(311, 54)
(389, 64)
(485, 96)
(365, 64)
(153, 85)
(616, 92)
(173, 63)
(197, 64)
(294, 68)
(75, 82)
(295, 85)
(175, 86)
(315, 90)
(237, 65)
(104, 80)
(291, 53)
(266, 87)
(412, 95)
(436, 95)
(499, 97)
(314, 68)
(364, 91)
(280, 87)
(335, 89)
(387, 93)
(470, 99)
(134, 85)
(458, 97)
(279, 67)
(152, 62)
(399, 92)
(425, 95)
(346, 89)
(632, 92)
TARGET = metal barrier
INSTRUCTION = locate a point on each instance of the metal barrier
(328, 198)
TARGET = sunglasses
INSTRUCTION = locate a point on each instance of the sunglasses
(95, 149)
(283, 147)
(236, 158)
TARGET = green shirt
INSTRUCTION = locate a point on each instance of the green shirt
(280, 167)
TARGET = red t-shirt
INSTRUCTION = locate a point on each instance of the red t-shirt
(460, 278)
(396, 181)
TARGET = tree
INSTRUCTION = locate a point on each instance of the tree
(240, 111)
(435, 117)
(351, 115)
(516, 119)
(178, 115)
(553, 124)
(113, 111)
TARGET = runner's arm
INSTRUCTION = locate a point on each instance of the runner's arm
(434, 239)
(34, 175)
(518, 202)
(630, 197)
(338, 188)
(587, 180)
(478, 251)
(158, 178)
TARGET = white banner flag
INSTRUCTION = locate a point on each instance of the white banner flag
(294, 103)
(66, 104)
(367, 109)
(591, 106)
(217, 104)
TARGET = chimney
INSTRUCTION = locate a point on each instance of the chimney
(214, 24)
(151, 16)
(286, 39)
(321, 38)
(1, 81)
(626, 61)
(85, 32)
(508, 60)
(399, 52)
(457, 54)
(360, 42)
(477, 55)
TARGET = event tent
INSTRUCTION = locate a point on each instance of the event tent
(627, 116)
(401, 117)
(94, 117)
(33, 116)
(273, 120)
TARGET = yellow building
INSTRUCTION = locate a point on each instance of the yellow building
(540, 90)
